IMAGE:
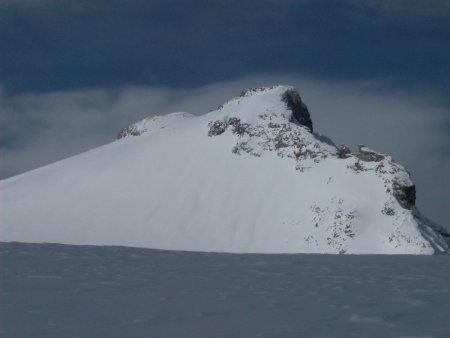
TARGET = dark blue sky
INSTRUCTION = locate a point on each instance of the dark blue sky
(56, 45)
(74, 72)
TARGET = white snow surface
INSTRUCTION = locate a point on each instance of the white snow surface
(241, 179)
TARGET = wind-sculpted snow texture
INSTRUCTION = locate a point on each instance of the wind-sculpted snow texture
(56, 291)
(247, 177)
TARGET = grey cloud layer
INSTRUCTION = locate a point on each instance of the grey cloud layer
(41, 128)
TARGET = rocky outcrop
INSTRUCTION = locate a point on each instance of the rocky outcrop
(152, 124)
(272, 132)
(369, 155)
(344, 151)
(405, 195)
(300, 113)
(128, 131)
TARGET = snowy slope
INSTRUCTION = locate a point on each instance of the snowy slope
(246, 177)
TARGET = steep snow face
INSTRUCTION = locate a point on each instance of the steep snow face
(246, 177)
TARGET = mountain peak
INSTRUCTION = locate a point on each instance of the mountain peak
(254, 99)
(250, 176)
(270, 119)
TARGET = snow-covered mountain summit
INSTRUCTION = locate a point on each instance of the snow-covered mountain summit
(250, 176)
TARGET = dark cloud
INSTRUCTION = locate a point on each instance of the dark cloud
(53, 45)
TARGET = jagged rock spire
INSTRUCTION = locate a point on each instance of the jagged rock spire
(299, 110)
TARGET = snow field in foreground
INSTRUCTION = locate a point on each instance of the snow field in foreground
(52, 290)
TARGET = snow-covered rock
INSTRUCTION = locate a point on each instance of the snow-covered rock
(247, 177)
(151, 124)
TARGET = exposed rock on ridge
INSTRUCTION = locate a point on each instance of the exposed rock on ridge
(151, 124)
(299, 110)
(369, 155)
